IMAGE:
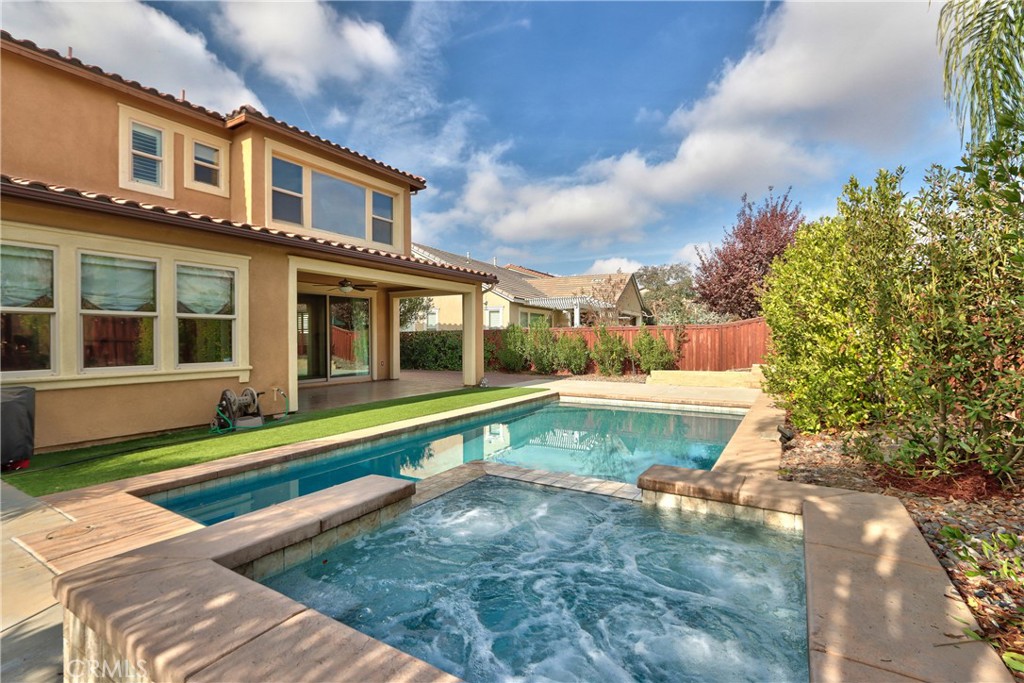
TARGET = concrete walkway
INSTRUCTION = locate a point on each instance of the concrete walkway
(30, 642)
(419, 382)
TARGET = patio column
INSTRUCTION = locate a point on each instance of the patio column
(473, 337)
(395, 304)
(576, 315)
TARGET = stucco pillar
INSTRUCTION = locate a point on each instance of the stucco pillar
(473, 337)
(576, 315)
(395, 371)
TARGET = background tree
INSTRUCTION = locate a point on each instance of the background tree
(413, 310)
(982, 41)
(668, 291)
(729, 279)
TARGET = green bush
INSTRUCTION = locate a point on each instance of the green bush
(512, 353)
(572, 354)
(832, 306)
(653, 353)
(542, 347)
(431, 350)
(610, 352)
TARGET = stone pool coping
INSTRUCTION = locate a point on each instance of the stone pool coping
(879, 604)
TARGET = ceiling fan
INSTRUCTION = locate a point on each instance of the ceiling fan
(345, 285)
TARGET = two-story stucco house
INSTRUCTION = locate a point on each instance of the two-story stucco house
(155, 253)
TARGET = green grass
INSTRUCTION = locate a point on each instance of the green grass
(72, 469)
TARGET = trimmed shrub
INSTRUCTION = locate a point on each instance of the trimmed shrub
(542, 347)
(572, 354)
(653, 353)
(610, 352)
(512, 353)
(432, 350)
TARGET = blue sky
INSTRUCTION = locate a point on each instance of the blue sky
(567, 136)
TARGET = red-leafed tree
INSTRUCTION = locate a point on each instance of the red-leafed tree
(728, 280)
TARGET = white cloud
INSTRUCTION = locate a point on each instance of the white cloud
(614, 264)
(136, 41)
(820, 80)
(688, 253)
(645, 116)
(301, 45)
(336, 118)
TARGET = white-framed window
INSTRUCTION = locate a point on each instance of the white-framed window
(117, 311)
(383, 218)
(287, 194)
(206, 314)
(432, 321)
(525, 318)
(27, 310)
(492, 317)
(207, 163)
(328, 202)
(146, 157)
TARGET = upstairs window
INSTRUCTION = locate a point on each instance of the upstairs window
(27, 299)
(338, 206)
(206, 164)
(330, 203)
(286, 181)
(383, 218)
(147, 155)
(118, 311)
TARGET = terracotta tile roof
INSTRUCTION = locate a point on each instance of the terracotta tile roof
(247, 111)
(528, 272)
(416, 181)
(97, 201)
(586, 285)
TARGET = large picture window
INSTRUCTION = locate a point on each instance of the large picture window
(27, 305)
(118, 311)
(206, 314)
(326, 202)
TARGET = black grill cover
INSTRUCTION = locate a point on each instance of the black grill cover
(17, 425)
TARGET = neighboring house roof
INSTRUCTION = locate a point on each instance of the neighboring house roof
(528, 272)
(243, 114)
(546, 291)
(511, 285)
(584, 285)
(36, 190)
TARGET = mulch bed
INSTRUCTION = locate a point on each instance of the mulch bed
(971, 501)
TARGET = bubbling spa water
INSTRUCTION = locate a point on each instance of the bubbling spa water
(501, 580)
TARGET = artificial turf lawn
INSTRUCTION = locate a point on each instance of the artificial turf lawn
(72, 469)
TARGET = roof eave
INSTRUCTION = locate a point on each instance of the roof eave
(210, 225)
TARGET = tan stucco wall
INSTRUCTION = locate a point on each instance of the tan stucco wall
(67, 133)
(449, 310)
(630, 304)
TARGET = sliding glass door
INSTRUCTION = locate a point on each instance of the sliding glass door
(333, 336)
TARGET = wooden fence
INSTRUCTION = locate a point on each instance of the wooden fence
(729, 346)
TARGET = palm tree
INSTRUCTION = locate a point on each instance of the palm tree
(983, 46)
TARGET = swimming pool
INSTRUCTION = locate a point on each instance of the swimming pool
(502, 580)
(612, 443)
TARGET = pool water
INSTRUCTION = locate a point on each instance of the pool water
(597, 441)
(502, 581)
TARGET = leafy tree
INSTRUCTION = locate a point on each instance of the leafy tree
(413, 309)
(729, 279)
(513, 352)
(668, 292)
(984, 63)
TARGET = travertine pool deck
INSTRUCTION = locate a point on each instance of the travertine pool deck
(178, 601)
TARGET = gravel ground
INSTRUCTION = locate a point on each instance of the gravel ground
(997, 601)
